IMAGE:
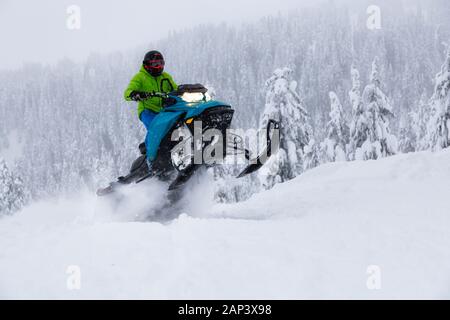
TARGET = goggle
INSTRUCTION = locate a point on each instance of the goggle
(154, 63)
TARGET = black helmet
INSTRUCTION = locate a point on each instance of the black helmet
(154, 63)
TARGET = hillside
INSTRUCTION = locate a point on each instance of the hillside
(312, 237)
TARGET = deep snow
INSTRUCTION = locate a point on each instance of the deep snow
(312, 237)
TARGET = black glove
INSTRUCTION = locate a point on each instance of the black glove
(140, 96)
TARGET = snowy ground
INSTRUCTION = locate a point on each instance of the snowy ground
(313, 237)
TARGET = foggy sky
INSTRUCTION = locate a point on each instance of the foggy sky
(35, 31)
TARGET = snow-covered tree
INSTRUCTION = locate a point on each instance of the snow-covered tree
(406, 140)
(378, 141)
(358, 126)
(12, 195)
(312, 155)
(413, 133)
(284, 104)
(335, 144)
(438, 129)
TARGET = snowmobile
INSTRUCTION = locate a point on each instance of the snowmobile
(182, 108)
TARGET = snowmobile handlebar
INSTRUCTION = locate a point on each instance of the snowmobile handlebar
(153, 94)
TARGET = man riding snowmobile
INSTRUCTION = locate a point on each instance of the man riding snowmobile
(165, 109)
(150, 78)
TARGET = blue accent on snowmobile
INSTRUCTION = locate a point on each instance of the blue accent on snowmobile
(169, 116)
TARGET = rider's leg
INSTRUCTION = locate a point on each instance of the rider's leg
(147, 118)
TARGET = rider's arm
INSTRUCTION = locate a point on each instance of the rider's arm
(135, 85)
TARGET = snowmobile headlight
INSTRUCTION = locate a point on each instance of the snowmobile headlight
(195, 96)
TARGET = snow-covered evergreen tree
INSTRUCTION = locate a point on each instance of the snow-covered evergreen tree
(413, 133)
(284, 104)
(438, 129)
(312, 155)
(12, 195)
(335, 144)
(405, 140)
(358, 126)
(377, 110)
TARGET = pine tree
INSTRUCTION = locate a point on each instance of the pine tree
(413, 132)
(358, 126)
(335, 144)
(438, 128)
(284, 104)
(12, 195)
(312, 155)
(376, 112)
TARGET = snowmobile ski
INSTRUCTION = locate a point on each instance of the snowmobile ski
(272, 135)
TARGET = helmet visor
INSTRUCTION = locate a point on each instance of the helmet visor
(157, 64)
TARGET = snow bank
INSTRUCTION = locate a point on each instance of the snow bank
(312, 237)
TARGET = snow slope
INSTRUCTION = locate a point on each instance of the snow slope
(313, 237)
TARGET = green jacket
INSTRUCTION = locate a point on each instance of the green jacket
(145, 82)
